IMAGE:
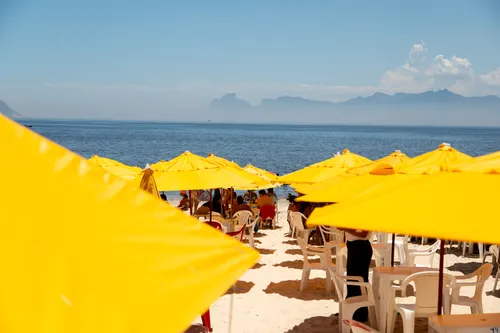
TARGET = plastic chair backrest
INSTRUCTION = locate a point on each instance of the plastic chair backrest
(296, 219)
(426, 290)
(267, 212)
(237, 234)
(331, 231)
(303, 248)
(482, 273)
(214, 224)
(242, 217)
(495, 251)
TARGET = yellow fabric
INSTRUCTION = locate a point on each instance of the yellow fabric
(482, 164)
(255, 182)
(326, 169)
(222, 161)
(115, 168)
(93, 253)
(445, 205)
(441, 159)
(261, 172)
(147, 182)
(383, 166)
(192, 172)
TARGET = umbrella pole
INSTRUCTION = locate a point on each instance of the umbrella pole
(190, 204)
(392, 249)
(211, 205)
(441, 269)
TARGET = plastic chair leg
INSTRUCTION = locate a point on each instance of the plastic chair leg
(305, 278)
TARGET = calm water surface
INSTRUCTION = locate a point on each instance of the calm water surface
(278, 148)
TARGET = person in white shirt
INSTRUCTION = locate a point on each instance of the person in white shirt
(359, 257)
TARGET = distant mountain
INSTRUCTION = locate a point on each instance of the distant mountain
(229, 102)
(441, 107)
(7, 111)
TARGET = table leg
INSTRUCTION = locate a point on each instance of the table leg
(383, 289)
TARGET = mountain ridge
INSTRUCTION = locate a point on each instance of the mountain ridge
(441, 107)
(378, 98)
(8, 111)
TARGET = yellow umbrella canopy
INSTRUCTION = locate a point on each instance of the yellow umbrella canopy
(446, 205)
(95, 254)
(255, 182)
(116, 168)
(222, 161)
(192, 172)
(482, 164)
(147, 182)
(325, 169)
(383, 166)
(441, 159)
(261, 172)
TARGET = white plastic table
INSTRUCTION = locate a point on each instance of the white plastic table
(382, 279)
(465, 323)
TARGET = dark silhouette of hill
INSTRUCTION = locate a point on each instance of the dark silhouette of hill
(441, 107)
(7, 111)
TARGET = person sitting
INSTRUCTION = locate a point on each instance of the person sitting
(264, 199)
(272, 195)
(216, 205)
(241, 205)
(184, 204)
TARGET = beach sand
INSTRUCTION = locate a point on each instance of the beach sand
(267, 297)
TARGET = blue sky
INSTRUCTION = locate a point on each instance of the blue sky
(85, 58)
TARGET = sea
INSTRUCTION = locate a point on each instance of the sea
(277, 148)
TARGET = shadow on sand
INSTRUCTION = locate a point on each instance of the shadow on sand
(314, 291)
(294, 251)
(291, 242)
(196, 329)
(265, 251)
(464, 267)
(257, 266)
(241, 287)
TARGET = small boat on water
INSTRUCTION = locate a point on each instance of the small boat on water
(29, 126)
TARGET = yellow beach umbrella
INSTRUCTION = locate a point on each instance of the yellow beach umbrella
(95, 254)
(222, 161)
(261, 172)
(116, 168)
(192, 172)
(325, 169)
(380, 167)
(482, 164)
(255, 182)
(441, 159)
(445, 205)
(408, 186)
(147, 182)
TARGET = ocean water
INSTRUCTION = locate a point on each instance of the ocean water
(278, 148)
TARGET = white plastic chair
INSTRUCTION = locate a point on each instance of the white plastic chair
(325, 263)
(400, 247)
(495, 251)
(250, 228)
(471, 245)
(336, 237)
(348, 306)
(357, 327)
(476, 301)
(299, 230)
(242, 217)
(429, 252)
(426, 286)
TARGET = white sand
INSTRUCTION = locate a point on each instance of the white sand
(267, 298)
